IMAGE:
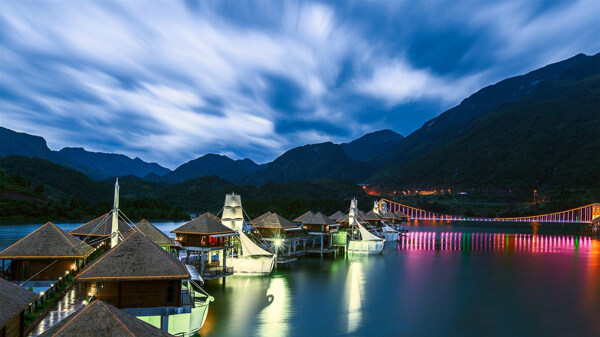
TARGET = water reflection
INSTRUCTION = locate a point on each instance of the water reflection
(469, 241)
(274, 317)
(353, 294)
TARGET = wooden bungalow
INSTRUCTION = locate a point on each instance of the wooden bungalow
(208, 243)
(344, 222)
(99, 319)
(44, 255)
(14, 299)
(320, 230)
(155, 234)
(97, 231)
(136, 273)
(283, 237)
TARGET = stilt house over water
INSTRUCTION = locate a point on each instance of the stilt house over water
(320, 230)
(44, 255)
(206, 242)
(283, 237)
(100, 319)
(148, 282)
(14, 299)
(135, 274)
(155, 235)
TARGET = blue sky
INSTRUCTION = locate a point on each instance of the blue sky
(170, 81)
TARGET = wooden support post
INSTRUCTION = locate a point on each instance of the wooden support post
(202, 262)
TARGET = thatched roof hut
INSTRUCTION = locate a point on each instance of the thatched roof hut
(100, 227)
(135, 258)
(318, 219)
(262, 216)
(336, 215)
(99, 319)
(154, 234)
(274, 221)
(14, 299)
(47, 242)
(304, 217)
(204, 224)
(372, 216)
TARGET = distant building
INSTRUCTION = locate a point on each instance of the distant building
(211, 241)
(155, 234)
(283, 237)
(320, 230)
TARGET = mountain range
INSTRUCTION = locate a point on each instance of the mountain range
(539, 129)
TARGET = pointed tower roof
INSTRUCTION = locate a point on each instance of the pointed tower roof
(103, 224)
(14, 299)
(304, 217)
(274, 221)
(135, 258)
(48, 241)
(102, 319)
(204, 224)
(336, 215)
(153, 233)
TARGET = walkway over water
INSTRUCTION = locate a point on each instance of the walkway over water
(583, 214)
(65, 306)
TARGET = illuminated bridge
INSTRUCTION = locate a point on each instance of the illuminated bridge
(583, 214)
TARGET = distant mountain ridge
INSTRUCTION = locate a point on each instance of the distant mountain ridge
(560, 95)
(96, 165)
(210, 165)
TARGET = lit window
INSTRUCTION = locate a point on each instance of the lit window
(100, 286)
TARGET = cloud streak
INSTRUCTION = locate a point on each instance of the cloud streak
(179, 79)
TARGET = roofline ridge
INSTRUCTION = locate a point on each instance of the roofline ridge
(89, 222)
(118, 320)
(72, 319)
(23, 238)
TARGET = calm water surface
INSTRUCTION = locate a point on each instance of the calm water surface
(444, 279)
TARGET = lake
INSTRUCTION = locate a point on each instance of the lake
(444, 279)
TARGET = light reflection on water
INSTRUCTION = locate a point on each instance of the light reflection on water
(442, 279)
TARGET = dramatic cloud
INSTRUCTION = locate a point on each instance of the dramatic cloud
(169, 81)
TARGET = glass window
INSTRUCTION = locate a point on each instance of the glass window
(170, 293)
(100, 286)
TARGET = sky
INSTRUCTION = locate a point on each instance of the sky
(168, 81)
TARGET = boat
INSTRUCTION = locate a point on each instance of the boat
(250, 259)
(362, 241)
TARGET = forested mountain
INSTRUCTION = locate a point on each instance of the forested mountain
(372, 145)
(211, 165)
(311, 162)
(542, 135)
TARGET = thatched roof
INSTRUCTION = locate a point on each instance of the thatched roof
(389, 215)
(13, 300)
(370, 215)
(104, 224)
(135, 258)
(153, 233)
(214, 217)
(262, 216)
(274, 221)
(204, 224)
(336, 215)
(304, 217)
(48, 241)
(319, 219)
(99, 319)
(597, 220)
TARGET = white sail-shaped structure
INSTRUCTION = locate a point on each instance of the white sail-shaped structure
(253, 260)
(387, 232)
(368, 243)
